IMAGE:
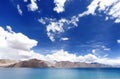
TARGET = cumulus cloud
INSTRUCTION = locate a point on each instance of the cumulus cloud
(118, 41)
(109, 7)
(16, 45)
(61, 55)
(108, 61)
(64, 39)
(9, 29)
(59, 5)
(55, 27)
(93, 51)
(32, 6)
(25, 0)
(19, 9)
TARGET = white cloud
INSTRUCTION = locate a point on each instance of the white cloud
(106, 48)
(118, 41)
(32, 6)
(25, 0)
(9, 29)
(89, 58)
(100, 50)
(64, 39)
(61, 55)
(51, 36)
(42, 21)
(59, 5)
(16, 45)
(108, 61)
(20, 41)
(108, 7)
(19, 9)
(94, 51)
(55, 27)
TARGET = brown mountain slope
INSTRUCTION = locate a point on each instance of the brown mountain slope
(35, 63)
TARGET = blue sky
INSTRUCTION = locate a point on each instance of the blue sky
(77, 26)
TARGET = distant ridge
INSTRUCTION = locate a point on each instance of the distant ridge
(35, 63)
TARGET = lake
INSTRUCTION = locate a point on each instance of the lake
(53, 73)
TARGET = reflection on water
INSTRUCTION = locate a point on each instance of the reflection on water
(27, 73)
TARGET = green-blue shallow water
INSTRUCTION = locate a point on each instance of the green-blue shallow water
(77, 73)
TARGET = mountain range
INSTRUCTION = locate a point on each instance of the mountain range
(35, 63)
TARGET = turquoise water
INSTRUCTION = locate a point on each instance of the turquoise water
(78, 73)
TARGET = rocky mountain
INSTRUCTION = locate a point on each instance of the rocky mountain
(35, 63)
(7, 62)
(67, 64)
